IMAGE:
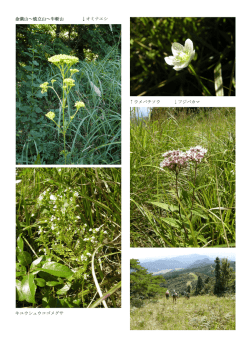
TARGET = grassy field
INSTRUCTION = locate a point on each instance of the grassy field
(197, 313)
(197, 209)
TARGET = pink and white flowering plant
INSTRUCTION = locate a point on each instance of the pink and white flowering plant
(175, 161)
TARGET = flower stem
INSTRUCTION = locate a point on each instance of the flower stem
(199, 80)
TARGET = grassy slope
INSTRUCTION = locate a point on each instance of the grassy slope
(197, 313)
(216, 179)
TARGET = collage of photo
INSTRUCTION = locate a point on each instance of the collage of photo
(72, 225)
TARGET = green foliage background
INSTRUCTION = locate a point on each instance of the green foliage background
(85, 217)
(95, 135)
(151, 40)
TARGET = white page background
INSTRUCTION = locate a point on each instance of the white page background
(99, 330)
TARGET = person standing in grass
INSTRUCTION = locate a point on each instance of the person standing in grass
(167, 294)
(175, 296)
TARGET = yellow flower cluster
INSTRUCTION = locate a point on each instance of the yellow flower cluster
(44, 87)
(50, 115)
(78, 105)
(62, 59)
(73, 71)
(68, 82)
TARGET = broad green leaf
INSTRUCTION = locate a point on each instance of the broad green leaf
(40, 282)
(49, 302)
(164, 206)
(37, 263)
(53, 283)
(172, 222)
(64, 289)
(56, 269)
(28, 288)
(20, 243)
(19, 293)
(24, 258)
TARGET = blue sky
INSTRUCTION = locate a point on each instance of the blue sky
(144, 111)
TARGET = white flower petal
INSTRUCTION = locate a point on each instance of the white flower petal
(169, 60)
(189, 45)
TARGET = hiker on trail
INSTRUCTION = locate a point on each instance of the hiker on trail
(175, 296)
(167, 294)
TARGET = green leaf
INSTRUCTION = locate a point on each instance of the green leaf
(56, 269)
(19, 293)
(37, 263)
(40, 282)
(64, 289)
(38, 110)
(20, 243)
(28, 288)
(172, 222)
(53, 283)
(165, 206)
(200, 214)
(24, 258)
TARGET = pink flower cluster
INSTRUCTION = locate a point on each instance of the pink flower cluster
(174, 159)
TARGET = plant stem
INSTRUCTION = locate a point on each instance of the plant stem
(195, 171)
(199, 80)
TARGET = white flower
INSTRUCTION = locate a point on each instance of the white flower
(18, 181)
(182, 55)
(52, 197)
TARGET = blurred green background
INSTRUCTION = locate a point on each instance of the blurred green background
(151, 41)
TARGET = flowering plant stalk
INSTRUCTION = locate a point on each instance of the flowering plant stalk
(177, 160)
(64, 63)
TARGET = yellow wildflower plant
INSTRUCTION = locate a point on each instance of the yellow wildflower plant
(63, 62)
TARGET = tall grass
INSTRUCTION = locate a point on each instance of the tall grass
(86, 237)
(200, 215)
(94, 136)
(197, 313)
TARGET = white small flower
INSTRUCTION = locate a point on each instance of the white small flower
(52, 197)
(182, 55)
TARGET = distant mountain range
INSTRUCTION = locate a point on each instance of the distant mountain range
(179, 262)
